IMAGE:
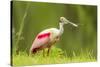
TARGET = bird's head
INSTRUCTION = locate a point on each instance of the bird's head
(65, 21)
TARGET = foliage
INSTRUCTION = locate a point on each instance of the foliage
(56, 57)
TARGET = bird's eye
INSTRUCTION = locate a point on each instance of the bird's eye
(60, 21)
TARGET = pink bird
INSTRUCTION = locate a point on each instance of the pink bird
(48, 37)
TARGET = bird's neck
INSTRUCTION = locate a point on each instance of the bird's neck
(61, 29)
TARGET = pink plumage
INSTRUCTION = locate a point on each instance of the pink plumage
(41, 36)
(40, 42)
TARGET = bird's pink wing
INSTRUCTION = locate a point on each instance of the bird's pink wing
(41, 40)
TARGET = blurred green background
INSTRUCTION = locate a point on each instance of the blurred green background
(29, 18)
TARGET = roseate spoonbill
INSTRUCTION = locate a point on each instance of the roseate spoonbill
(48, 37)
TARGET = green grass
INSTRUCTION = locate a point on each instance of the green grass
(56, 57)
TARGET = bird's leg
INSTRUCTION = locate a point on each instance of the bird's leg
(29, 54)
(49, 48)
(43, 52)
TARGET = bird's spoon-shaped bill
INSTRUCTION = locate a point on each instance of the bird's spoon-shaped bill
(73, 24)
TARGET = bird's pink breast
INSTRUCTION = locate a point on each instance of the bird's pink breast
(43, 35)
